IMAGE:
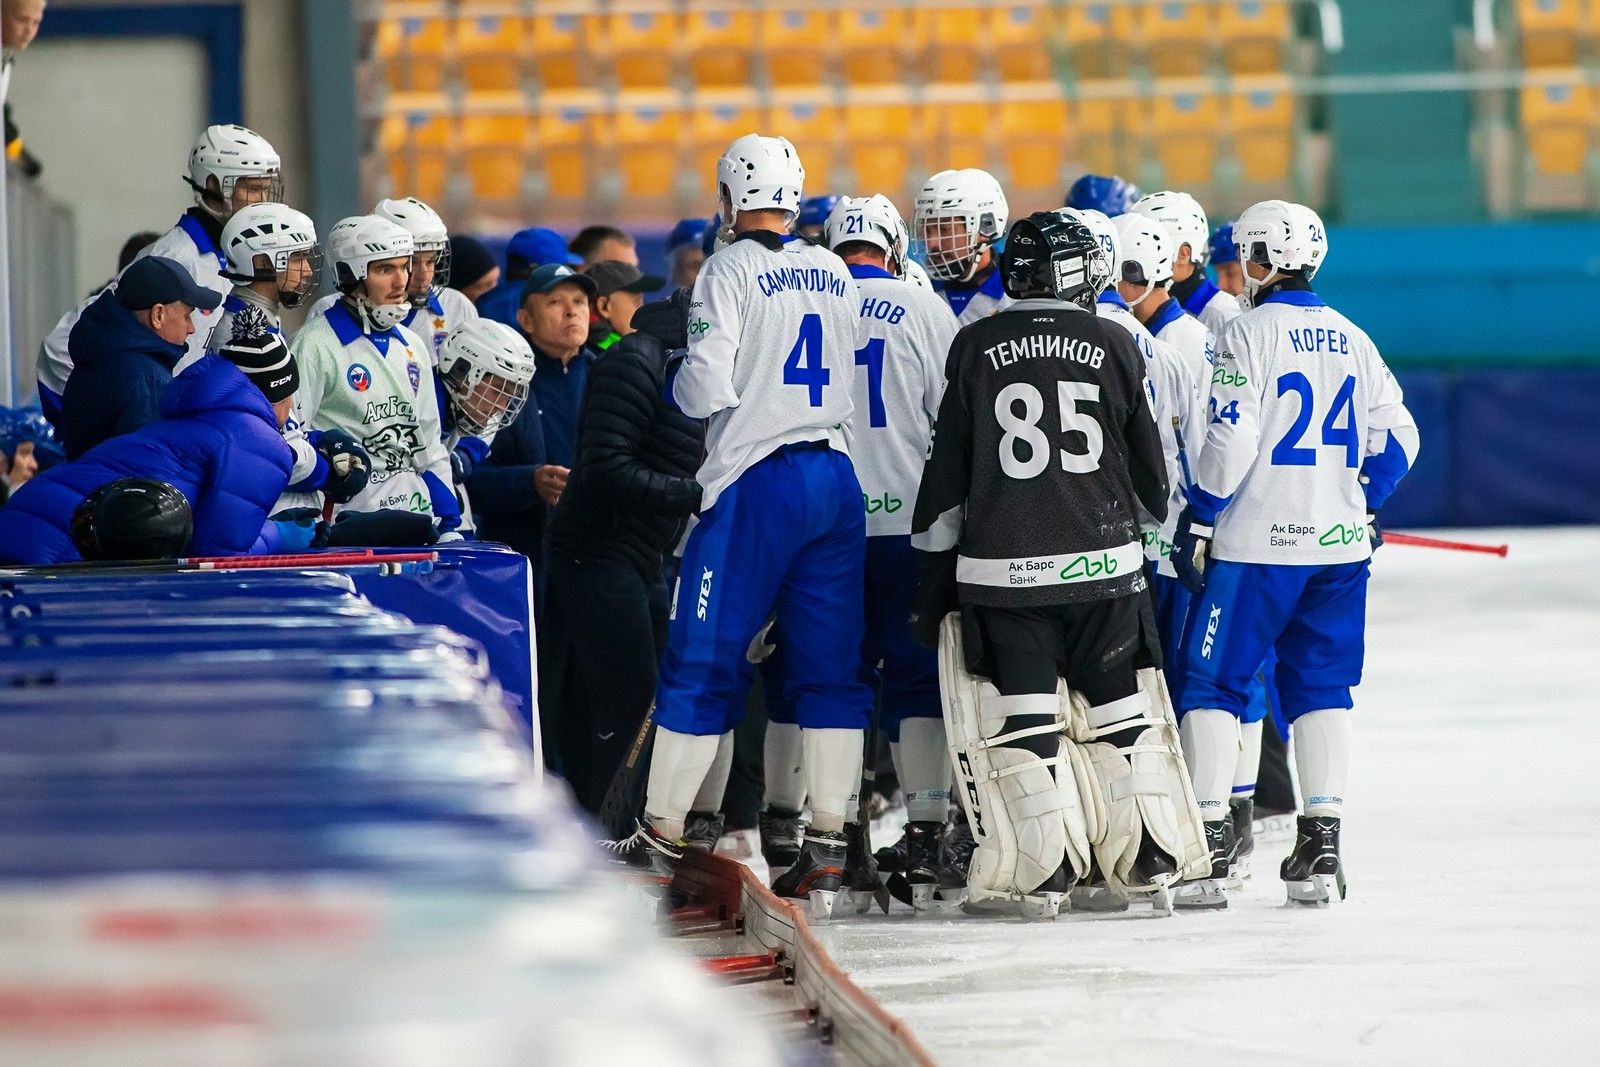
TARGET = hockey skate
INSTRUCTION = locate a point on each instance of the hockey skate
(1241, 813)
(817, 874)
(1211, 892)
(701, 830)
(861, 883)
(924, 878)
(1313, 872)
(646, 851)
(780, 832)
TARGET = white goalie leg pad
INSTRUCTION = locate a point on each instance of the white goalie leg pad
(1024, 810)
(1142, 788)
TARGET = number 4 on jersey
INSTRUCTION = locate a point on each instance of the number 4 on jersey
(805, 365)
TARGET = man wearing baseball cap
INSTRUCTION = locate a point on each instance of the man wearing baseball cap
(123, 349)
(620, 290)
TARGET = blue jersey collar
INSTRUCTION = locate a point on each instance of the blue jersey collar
(1304, 298)
(1195, 301)
(1170, 312)
(1112, 297)
(434, 305)
(866, 270)
(202, 239)
(347, 329)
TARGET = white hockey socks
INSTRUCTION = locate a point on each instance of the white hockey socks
(832, 760)
(1322, 741)
(923, 759)
(678, 767)
(780, 756)
(1211, 749)
(709, 798)
(1249, 763)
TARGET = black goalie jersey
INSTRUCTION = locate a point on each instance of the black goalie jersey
(1043, 444)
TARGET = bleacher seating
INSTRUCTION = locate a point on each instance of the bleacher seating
(1551, 30)
(1559, 123)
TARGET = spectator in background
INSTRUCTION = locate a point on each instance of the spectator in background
(527, 250)
(124, 347)
(134, 245)
(19, 24)
(619, 293)
(597, 244)
(473, 270)
(684, 254)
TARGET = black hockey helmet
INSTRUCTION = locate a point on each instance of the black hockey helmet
(1054, 257)
(132, 519)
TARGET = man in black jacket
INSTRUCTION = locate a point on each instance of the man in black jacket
(631, 489)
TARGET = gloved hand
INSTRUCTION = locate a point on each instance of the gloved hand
(1191, 548)
(465, 457)
(763, 644)
(296, 535)
(349, 466)
(386, 528)
(936, 597)
(1374, 531)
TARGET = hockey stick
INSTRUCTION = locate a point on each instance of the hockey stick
(1418, 541)
(620, 805)
(303, 561)
(869, 779)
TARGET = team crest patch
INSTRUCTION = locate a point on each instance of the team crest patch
(359, 377)
(414, 374)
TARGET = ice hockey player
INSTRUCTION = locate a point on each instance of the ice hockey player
(483, 376)
(812, 221)
(958, 217)
(274, 262)
(363, 372)
(1105, 193)
(902, 342)
(1224, 259)
(1042, 453)
(770, 360)
(1311, 435)
(1186, 219)
(230, 168)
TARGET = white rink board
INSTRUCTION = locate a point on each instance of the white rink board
(1472, 846)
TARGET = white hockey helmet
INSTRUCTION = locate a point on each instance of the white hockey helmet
(957, 214)
(1184, 217)
(486, 367)
(1147, 253)
(429, 234)
(870, 219)
(228, 153)
(1280, 235)
(759, 174)
(1110, 241)
(258, 242)
(357, 242)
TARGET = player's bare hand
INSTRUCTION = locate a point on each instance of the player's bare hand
(550, 481)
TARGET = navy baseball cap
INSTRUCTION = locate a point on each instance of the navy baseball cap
(613, 276)
(156, 280)
(538, 245)
(686, 232)
(551, 275)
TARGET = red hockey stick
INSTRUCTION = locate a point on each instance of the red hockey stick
(1393, 538)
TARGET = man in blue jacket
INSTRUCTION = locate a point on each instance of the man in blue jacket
(124, 347)
(218, 442)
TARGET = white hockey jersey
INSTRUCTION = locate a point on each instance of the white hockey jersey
(189, 243)
(1308, 428)
(971, 303)
(902, 343)
(1178, 401)
(378, 387)
(1202, 299)
(771, 354)
(432, 324)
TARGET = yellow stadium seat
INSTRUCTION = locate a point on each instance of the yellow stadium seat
(814, 131)
(1021, 37)
(560, 48)
(879, 143)
(719, 43)
(643, 47)
(1100, 38)
(1177, 36)
(566, 142)
(1035, 136)
(711, 131)
(797, 43)
(1105, 132)
(411, 53)
(1550, 31)
(873, 42)
(954, 39)
(496, 149)
(1263, 133)
(1185, 128)
(491, 51)
(958, 135)
(648, 142)
(1254, 35)
(1556, 122)
(417, 151)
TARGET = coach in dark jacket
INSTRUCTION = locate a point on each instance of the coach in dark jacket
(632, 488)
(124, 347)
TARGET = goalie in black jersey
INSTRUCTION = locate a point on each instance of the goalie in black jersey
(1045, 461)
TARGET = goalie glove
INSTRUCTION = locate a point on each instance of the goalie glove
(349, 466)
(1191, 548)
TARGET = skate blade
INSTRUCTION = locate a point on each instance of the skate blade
(820, 906)
(1320, 890)
(1207, 894)
(1041, 907)
(1097, 899)
(1238, 873)
(1162, 895)
(858, 902)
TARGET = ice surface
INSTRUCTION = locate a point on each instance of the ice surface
(1472, 846)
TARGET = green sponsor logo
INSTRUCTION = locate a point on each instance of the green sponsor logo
(1225, 376)
(885, 503)
(698, 327)
(1152, 538)
(1340, 534)
(1089, 565)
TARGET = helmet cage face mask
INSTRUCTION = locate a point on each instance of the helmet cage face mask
(952, 242)
(440, 251)
(483, 402)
